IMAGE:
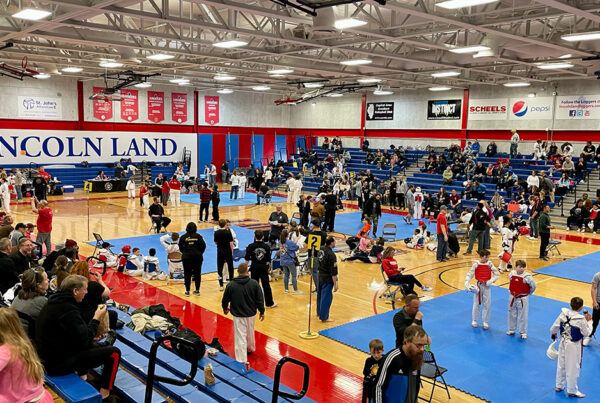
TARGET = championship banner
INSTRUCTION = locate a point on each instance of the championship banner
(129, 105)
(211, 110)
(448, 109)
(103, 110)
(530, 108)
(578, 107)
(488, 109)
(156, 106)
(178, 107)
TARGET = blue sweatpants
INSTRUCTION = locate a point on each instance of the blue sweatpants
(324, 299)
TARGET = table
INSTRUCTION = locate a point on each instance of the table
(109, 185)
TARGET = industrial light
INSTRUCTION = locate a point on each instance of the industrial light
(567, 56)
(369, 80)
(261, 88)
(223, 77)
(454, 4)
(382, 92)
(143, 85)
(349, 23)
(439, 88)
(552, 66)
(225, 91)
(184, 83)
(484, 53)
(277, 75)
(336, 95)
(110, 64)
(517, 84)
(356, 62)
(234, 43)
(160, 56)
(445, 74)
(32, 14)
(469, 49)
(42, 76)
(582, 36)
(313, 85)
(179, 80)
(531, 95)
(280, 71)
(72, 69)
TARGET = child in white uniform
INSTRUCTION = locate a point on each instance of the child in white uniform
(509, 236)
(521, 285)
(486, 274)
(418, 204)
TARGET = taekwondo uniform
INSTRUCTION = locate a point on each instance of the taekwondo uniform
(485, 274)
(508, 245)
(520, 287)
(418, 204)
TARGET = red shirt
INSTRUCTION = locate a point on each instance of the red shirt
(44, 220)
(205, 194)
(175, 184)
(143, 191)
(454, 198)
(165, 187)
(390, 266)
(44, 175)
(442, 223)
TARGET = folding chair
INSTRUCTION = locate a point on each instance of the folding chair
(389, 293)
(430, 372)
(553, 247)
(389, 232)
(462, 232)
(99, 242)
(154, 225)
(296, 218)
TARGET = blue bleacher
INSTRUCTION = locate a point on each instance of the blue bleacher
(71, 388)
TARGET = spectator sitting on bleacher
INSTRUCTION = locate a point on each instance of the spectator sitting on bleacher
(429, 206)
(491, 149)
(475, 148)
(469, 168)
(568, 167)
(552, 153)
(326, 143)
(567, 149)
(370, 158)
(533, 182)
(593, 218)
(65, 341)
(468, 191)
(577, 215)
(589, 151)
(447, 176)
(497, 203)
(581, 168)
(563, 185)
(480, 172)
(455, 202)
(443, 198)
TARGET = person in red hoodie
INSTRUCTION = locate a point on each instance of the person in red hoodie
(44, 223)
(164, 197)
(394, 273)
(175, 187)
(144, 197)
(205, 195)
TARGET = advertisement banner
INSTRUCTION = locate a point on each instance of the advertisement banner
(40, 107)
(156, 106)
(211, 110)
(103, 110)
(488, 109)
(530, 108)
(448, 109)
(178, 107)
(380, 111)
(129, 105)
(578, 107)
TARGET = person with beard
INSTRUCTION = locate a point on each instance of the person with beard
(404, 361)
(259, 254)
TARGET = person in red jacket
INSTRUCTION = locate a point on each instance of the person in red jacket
(144, 197)
(205, 195)
(175, 187)
(164, 196)
(44, 223)
(394, 273)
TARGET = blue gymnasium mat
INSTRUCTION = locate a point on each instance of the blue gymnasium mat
(250, 198)
(486, 363)
(581, 268)
(245, 237)
(350, 223)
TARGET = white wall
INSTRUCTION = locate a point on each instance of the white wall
(327, 113)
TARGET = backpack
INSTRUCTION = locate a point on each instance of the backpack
(183, 350)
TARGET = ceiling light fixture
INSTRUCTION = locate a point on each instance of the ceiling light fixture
(277, 75)
(280, 71)
(143, 85)
(531, 95)
(582, 36)
(439, 88)
(32, 14)
(336, 95)
(72, 69)
(369, 80)
(225, 91)
(224, 77)
(382, 92)
(356, 62)
(445, 74)
(110, 64)
(261, 88)
(454, 4)
(160, 56)
(349, 23)
(469, 49)
(234, 43)
(552, 66)
(184, 83)
(313, 85)
(517, 84)
(567, 56)
(179, 80)
(42, 76)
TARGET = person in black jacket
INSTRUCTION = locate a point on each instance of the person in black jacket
(157, 213)
(21, 257)
(8, 271)
(243, 297)
(372, 209)
(215, 197)
(192, 247)
(66, 343)
(480, 221)
(259, 254)
(224, 241)
(304, 209)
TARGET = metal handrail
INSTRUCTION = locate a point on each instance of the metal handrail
(152, 377)
(277, 380)
(98, 260)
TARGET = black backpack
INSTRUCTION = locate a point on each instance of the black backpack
(185, 351)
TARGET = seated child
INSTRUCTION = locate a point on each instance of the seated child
(152, 267)
(175, 265)
(362, 253)
(134, 265)
(377, 251)
(106, 255)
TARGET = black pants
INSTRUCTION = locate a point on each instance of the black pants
(329, 220)
(215, 210)
(192, 267)
(595, 320)
(352, 242)
(304, 220)
(393, 196)
(575, 220)
(261, 274)
(545, 236)
(161, 222)
(408, 282)
(107, 356)
(400, 198)
(224, 256)
(203, 207)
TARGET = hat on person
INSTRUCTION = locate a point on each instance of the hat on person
(126, 249)
(20, 225)
(421, 222)
(69, 243)
(30, 226)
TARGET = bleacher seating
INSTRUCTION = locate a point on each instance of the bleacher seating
(71, 388)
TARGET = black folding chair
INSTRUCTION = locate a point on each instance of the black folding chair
(431, 372)
(99, 242)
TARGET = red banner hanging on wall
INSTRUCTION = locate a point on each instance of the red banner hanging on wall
(211, 110)
(156, 106)
(129, 105)
(178, 107)
(102, 109)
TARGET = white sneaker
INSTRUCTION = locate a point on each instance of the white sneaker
(221, 288)
(286, 291)
(567, 229)
(297, 292)
(474, 324)
(587, 341)
(426, 289)
(485, 326)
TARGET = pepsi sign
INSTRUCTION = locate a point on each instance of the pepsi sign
(532, 108)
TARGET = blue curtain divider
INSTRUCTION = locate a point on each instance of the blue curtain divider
(205, 148)
(233, 150)
(257, 149)
(280, 148)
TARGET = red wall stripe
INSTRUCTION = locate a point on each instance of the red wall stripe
(245, 151)
(268, 146)
(290, 145)
(196, 117)
(219, 143)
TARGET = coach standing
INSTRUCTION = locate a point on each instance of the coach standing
(44, 223)
(205, 196)
(328, 279)
(192, 247)
(259, 253)
(243, 297)
(545, 226)
(442, 235)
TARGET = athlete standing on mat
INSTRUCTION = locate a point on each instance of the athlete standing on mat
(192, 247)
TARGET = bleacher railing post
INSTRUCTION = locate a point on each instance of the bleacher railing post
(277, 380)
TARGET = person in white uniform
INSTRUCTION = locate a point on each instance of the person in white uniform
(419, 198)
(486, 274)
(5, 192)
(171, 245)
(296, 189)
(130, 188)
(572, 327)
(509, 236)
(514, 143)
(290, 184)
(520, 285)
(242, 185)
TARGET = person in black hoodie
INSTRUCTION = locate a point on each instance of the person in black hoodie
(330, 209)
(215, 197)
(66, 343)
(243, 297)
(8, 271)
(192, 247)
(304, 208)
(372, 209)
(259, 253)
